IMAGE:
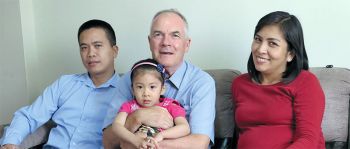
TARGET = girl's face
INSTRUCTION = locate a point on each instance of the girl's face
(270, 51)
(147, 88)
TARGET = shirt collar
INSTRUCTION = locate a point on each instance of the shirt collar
(177, 77)
(87, 80)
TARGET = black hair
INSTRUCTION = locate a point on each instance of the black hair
(99, 24)
(293, 34)
(148, 65)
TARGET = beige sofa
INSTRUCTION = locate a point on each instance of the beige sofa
(335, 83)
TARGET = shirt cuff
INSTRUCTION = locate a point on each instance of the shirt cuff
(11, 137)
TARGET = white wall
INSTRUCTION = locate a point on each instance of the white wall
(13, 93)
(221, 32)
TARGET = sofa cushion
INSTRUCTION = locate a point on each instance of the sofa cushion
(335, 83)
(224, 124)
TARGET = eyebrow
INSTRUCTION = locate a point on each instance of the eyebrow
(173, 32)
(82, 44)
(95, 42)
(270, 39)
(176, 32)
(156, 31)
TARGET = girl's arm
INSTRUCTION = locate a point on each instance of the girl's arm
(180, 129)
(124, 134)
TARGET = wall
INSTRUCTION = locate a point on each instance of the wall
(13, 91)
(221, 32)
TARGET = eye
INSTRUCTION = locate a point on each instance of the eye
(153, 87)
(273, 44)
(97, 46)
(83, 48)
(138, 86)
(257, 39)
(157, 35)
(176, 35)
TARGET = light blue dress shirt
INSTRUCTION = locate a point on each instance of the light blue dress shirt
(75, 105)
(192, 87)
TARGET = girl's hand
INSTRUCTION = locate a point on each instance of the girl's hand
(149, 143)
(159, 137)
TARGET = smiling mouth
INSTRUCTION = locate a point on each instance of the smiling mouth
(261, 59)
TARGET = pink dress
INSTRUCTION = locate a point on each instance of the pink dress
(173, 107)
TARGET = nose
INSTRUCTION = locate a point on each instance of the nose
(262, 48)
(145, 93)
(91, 52)
(166, 40)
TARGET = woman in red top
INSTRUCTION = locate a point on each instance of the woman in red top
(279, 104)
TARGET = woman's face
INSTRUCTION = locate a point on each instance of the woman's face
(269, 51)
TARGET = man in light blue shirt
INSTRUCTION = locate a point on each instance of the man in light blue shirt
(192, 87)
(76, 103)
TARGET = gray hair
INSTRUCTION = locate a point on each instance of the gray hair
(174, 11)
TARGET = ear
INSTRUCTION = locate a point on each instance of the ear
(290, 56)
(163, 90)
(115, 51)
(188, 43)
(149, 43)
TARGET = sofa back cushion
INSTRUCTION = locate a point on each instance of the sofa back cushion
(224, 124)
(335, 83)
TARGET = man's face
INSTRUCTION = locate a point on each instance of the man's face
(96, 52)
(168, 41)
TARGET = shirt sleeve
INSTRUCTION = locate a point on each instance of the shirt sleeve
(123, 94)
(202, 110)
(309, 105)
(27, 119)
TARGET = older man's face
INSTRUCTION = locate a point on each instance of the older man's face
(168, 41)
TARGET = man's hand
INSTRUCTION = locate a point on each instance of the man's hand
(154, 116)
(191, 141)
(110, 140)
(9, 146)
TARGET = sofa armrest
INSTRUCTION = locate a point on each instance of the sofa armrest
(39, 137)
(2, 131)
(2, 127)
(36, 139)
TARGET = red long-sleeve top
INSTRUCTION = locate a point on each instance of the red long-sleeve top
(279, 116)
